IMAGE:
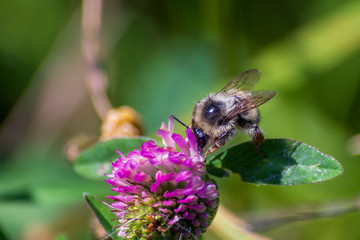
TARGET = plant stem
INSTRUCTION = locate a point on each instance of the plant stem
(226, 225)
(95, 77)
(281, 217)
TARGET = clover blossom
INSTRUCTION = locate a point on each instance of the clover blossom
(162, 192)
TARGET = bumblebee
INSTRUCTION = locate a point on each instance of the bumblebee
(216, 117)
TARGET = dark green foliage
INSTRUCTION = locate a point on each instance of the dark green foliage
(287, 162)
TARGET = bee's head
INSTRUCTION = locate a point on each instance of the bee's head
(212, 111)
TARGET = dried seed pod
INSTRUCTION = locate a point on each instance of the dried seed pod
(121, 122)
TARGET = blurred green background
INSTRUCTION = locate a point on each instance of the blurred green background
(161, 57)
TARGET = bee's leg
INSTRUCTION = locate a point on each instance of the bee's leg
(257, 138)
(211, 149)
(219, 141)
(256, 135)
(248, 122)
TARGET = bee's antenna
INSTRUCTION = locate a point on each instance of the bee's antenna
(179, 121)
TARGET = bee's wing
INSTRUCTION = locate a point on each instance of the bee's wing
(249, 100)
(244, 81)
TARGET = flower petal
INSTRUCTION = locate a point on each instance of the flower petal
(209, 191)
(175, 219)
(189, 215)
(181, 208)
(184, 176)
(192, 141)
(191, 200)
(199, 208)
(142, 177)
(167, 139)
(177, 193)
(181, 143)
(169, 203)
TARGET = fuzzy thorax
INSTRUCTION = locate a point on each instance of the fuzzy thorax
(216, 127)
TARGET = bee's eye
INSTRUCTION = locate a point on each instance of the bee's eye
(211, 112)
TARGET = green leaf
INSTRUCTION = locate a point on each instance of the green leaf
(94, 162)
(214, 168)
(287, 162)
(103, 214)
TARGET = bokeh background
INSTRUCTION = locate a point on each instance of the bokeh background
(160, 58)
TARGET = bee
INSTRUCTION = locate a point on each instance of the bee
(216, 117)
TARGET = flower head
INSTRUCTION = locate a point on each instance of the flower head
(163, 193)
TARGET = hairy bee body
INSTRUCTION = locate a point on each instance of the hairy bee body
(216, 117)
